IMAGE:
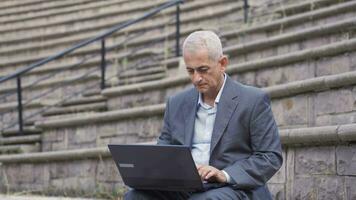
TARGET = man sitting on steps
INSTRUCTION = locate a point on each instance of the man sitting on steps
(229, 126)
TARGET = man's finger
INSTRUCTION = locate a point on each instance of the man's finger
(210, 174)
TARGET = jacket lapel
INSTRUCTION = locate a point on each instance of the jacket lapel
(190, 111)
(226, 107)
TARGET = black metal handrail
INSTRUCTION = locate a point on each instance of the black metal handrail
(101, 37)
(246, 10)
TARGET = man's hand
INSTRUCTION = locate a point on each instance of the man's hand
(211, 174)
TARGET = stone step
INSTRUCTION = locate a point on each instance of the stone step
(54, 89)
(65, 72)
(277, 10)
(136, 28)
(96, 107)
(318, 86)
(325, 60)
(94, 15)
(289, 103)
(72, 56)
(25, 10)
(20, 139)
(14, 132)
(142, 72)
(78, 26)
(143, 41)
(35, 197)
(63, 10)
(303, 6)
(14, 4)
(101, 169)
(293, 23)
(141, 78)
(85, 100)
(289, 42)
(18, 149)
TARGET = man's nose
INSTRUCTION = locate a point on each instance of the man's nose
(196, 78)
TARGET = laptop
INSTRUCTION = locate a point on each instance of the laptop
(158, 167)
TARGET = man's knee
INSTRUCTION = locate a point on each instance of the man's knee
(225, 193)
(136, 195)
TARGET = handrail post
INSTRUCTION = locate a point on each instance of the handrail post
(177, 31)
(19, 104)
(246, 7)
(103, 64)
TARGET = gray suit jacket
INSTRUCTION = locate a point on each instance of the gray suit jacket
(245, 140)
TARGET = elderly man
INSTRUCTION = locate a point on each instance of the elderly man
(229, 127)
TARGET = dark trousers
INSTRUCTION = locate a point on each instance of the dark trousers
(223, 193)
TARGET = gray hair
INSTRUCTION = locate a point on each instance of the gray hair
(204, 40)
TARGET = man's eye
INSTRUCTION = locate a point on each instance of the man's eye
(190, 71)
(202, 70)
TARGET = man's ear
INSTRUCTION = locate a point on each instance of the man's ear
(224, 61)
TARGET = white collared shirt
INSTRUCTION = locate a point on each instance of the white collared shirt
(203, 130)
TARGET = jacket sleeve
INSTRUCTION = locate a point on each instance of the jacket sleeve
(266, 157)
(165, 137)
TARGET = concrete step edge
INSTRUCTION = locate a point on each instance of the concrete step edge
(20, 139)
(295, 19)
(142, 78)
(103, 15)
(129, 29)
(22, 148)
(324, 29)
(26, 131)
(335, 134)
(284, 90)
(327, 50)
(62, 81)
(85, 100)
(142, 72)
(56, 10)
(101, 106)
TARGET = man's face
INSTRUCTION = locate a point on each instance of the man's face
(205, 74)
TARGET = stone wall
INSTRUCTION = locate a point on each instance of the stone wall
(308, 172)
(97, 177)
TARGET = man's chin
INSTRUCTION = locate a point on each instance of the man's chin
(201, 90)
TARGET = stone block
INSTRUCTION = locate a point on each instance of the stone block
(291, 111)
(334, 101)
(53, 135)
(350, 184)
(83, 134)
(251, 56)
(333, 65)
(57, 146)
(107, 171)
(106, 130)
(282, 49)
(352, 57)
(304, 188)
(354, 97)
(346, 160)
(320, 188)
(280, 176)
(314, 42)
(315, 160)
(269, 52)
(285, 74)
(81, 168)
(77, 184)
(58, 170)
(277, 191)
(330, 187)
(335, 119)
(248, 78)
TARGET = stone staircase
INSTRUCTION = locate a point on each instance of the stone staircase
(305, 61)
(58, 25)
